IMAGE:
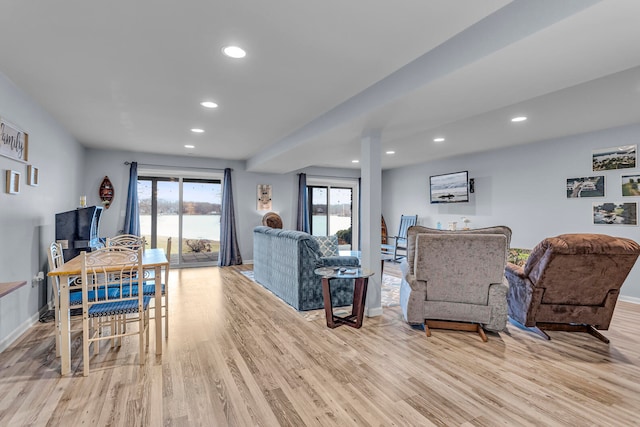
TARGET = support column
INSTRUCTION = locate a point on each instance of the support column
(370, 214)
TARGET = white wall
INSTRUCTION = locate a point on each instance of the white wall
(523, 187)
(27, 219)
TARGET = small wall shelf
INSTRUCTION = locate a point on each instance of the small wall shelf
(106, 192)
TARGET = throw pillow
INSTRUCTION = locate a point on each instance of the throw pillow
(328, 245)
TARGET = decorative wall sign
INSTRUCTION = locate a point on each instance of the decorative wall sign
(13, 182)
(264, 197)
(14, 143)
(615, 213)
(620, 157)
(33, 175)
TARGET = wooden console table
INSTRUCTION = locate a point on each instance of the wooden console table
(361, 280)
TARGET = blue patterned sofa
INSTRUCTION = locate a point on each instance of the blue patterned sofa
(284, 260)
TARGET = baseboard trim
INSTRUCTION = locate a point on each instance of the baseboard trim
(24, 327)
(633, 300)
(373, 311)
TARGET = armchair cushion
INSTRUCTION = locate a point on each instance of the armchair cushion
(417, 229)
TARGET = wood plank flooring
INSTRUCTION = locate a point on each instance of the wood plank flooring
(238, 356)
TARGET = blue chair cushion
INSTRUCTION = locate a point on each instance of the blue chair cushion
(117, 307)
(149, 290)
(75, 297)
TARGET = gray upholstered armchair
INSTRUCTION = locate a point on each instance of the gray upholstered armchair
(570, 282)
(455, 280)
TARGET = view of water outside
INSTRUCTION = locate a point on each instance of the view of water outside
(336, 223)
(194, 226)
(208, 226)
(201, 208)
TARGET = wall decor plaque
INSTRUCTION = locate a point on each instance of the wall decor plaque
(14, 142)
(13, 182)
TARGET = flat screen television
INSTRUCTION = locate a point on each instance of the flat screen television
(449, 187)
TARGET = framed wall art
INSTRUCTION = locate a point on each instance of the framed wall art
(33, 176)
(13, 182)
(14, 142)
(615, 213)
(264, 197)
(630, 184)
(619, 157)
(589, 186)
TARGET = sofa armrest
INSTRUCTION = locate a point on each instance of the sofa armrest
(339, 261)
(415, 284)
(497, 300)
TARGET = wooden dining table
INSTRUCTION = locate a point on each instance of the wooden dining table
(152, 260)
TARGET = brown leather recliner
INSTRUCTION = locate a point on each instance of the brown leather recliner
(570, 282)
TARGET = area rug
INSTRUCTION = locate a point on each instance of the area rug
(390, 297)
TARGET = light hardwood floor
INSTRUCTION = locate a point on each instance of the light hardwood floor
(236, 355)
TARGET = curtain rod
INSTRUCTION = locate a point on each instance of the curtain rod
(177, 167)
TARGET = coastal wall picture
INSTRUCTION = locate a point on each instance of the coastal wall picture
(590, 186)
(630, 185)
(620, 157)
(615, 213)
(14, 142)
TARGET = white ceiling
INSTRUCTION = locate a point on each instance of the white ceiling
(130, 75)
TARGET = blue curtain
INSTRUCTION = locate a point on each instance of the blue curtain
(132, 213)
(229, 250)
(302, 223)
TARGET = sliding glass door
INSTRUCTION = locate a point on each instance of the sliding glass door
(332, 213)
(185, 209)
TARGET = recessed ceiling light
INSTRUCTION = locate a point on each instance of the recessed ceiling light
(189, 146)
(209, 104)
(439, 139)
(519, 119)
(234, 52)
(391, 152)
(196, 130)
(355, 161)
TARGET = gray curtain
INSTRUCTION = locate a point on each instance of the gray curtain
(229, 250)
(302, 223)
(132, 213)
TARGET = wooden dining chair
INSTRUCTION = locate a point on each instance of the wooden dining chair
(130, 241)
(108, 304)
(55, 257)
(149, 289)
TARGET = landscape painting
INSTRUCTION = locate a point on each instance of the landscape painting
(615, 213)
(630, 185)
(620, 157)
(591, 186)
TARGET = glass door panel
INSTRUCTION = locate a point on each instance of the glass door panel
(167, 210)
(318, 199)
(331, 213)
(201, 209)
(340, 218)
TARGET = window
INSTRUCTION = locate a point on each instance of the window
(333, 211)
